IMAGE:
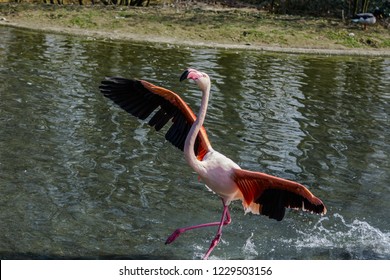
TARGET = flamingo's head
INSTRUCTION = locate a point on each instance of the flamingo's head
(200, 78)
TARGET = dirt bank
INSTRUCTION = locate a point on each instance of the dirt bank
(203, 26)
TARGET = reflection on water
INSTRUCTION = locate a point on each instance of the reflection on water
(79, 178)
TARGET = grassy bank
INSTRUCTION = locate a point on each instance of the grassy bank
(201, 24)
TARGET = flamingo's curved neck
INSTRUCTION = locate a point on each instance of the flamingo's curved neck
(193, 133)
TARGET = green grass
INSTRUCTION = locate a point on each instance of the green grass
(86, 20)
(246, 26)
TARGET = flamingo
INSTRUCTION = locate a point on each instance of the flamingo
(260, 193)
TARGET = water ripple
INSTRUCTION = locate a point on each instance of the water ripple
(79, 177)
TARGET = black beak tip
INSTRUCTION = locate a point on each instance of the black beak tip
(184, 75)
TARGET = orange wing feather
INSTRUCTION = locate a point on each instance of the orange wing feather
(269, 195)
(177, 101)
(142, 99)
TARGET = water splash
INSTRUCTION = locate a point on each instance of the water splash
(359, 239)
(249, 248)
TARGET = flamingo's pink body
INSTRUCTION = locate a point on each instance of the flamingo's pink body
(260, 193)
(218, 176)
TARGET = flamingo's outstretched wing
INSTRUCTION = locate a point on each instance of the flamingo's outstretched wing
(141, 99)
(269, 195)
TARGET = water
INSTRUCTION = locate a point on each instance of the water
(79, 178)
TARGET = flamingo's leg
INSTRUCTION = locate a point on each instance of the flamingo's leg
(217, 238)
(225, 221)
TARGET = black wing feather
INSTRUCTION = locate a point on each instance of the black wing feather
(133, 97)
(275, 201)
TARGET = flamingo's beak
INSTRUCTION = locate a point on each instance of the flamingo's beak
(184, 75)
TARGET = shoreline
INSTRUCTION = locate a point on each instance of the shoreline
(164, 36)
(186, 43)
